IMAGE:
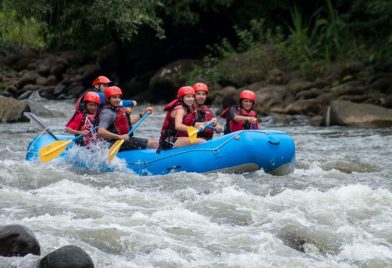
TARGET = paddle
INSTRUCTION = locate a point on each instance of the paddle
(117, 145)
(53, 150)
(192, 131)
(32, 116)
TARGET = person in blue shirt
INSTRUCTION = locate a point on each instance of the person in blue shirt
(99, 85)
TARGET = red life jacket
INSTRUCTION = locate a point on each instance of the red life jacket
(88, 122)
(204, 114)
(232, 125)
(122, 124)
(168, 131)
(169, 122)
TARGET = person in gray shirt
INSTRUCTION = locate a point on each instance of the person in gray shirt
(116, 121)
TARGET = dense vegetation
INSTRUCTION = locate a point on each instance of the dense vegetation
(304, 34)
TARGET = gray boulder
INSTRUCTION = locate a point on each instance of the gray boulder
(17, 240)
(11, 110)
(346, 113)
(67, 257)
(166, 81)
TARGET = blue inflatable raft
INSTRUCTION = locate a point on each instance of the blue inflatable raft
(241, 151)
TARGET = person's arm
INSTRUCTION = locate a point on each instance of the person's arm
(106, 134)
(102, 101)
(76, 132)
(217, 126)
(128, 103)
(74, 124)
(179, 114)
(241, 118)
(137, 117)
(106, 119)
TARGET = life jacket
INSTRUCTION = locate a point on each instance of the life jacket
(88, 122)
(168, 130)
(122, 124)
(204, 114)
(232, 125)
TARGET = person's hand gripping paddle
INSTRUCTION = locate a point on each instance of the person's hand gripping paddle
(117, 145)
(192, 131)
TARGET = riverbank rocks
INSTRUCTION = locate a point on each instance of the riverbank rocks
(280, 89)
(346, 113)
(67, 257)
(166, 81)
(17, 240)
(11, 110)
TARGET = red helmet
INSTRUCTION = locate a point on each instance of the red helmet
(248, 94)
(184, 91)
(112, 91)
(101, 80)
(93, 97)
(200, 87)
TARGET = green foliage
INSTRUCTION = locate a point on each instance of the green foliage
(189, 11)
(16, 32)
(249, 61)
(368, 28)
(323, 38)
(310, 46)
(314, 35)
(90, 23)
(298, 47)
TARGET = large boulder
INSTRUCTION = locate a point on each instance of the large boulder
(270, 97)
(27, 78)
(17, 240)
(11, 110)
(226, 97)
(309, 107)
(297, 85)
(67, 257)
(166, 81)
(346, 113)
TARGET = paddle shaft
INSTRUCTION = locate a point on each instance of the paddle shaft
(138, 123)
(35, 119)
(208, 124)
(113, 150)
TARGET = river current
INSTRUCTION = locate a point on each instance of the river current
(335, 210)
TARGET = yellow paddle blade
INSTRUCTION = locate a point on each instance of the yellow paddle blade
(53, 150)
(114, 149)
(192, 134)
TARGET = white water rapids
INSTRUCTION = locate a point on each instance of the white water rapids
(334, 211)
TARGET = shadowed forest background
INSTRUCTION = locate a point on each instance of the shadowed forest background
(150, 48)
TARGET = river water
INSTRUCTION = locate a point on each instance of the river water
(334, 211)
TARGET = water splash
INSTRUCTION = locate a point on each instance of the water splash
(95, 157)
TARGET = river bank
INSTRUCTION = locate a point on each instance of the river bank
(333, 99)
